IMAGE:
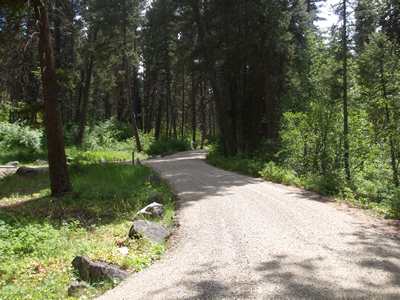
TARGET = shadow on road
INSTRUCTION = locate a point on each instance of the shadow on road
(285, 276)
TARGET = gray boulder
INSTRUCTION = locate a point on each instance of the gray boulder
(12, 164)
(25, 171)
(93, 271)
(153, 179)
(40, 162)
(153, 210)
(103, 160)
(155, 232)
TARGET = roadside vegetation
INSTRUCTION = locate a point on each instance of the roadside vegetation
(109, 139)
(40, 235)
(370, 189)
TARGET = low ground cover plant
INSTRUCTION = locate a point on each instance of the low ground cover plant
(40, 235)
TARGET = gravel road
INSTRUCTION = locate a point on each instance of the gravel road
(242, 238)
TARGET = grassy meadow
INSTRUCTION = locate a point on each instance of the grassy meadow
(40, 235)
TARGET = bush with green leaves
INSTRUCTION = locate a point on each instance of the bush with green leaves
(71, 132)
(16, 136)
(100, 136)
(272, 172)
(239, 163)
(160, 147)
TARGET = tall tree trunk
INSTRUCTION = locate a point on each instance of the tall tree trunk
(183, 102)
(159, 116)
(59, 177)
(167, 116)
(345, 113)
(81, 91)
(137, 105)
(193, 95)
(223, 122)
(128, 86)
(146, 112)
(203, 116)
(256, 124)
(269, 97)
(89, 72)
(173, 116)
(130, 104)
(152, 107)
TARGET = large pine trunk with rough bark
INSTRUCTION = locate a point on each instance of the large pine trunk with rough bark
(59, 178)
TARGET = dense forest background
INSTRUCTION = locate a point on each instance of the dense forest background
(256, 80)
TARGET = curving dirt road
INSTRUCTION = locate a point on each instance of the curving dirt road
(242, 238)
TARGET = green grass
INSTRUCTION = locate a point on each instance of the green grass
(27, 158)
(40, 235)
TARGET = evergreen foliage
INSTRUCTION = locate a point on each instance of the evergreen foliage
(258, 78)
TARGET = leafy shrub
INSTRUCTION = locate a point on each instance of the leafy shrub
(327, 184)
(18, 137)
(276, 173)
(71, 132)
(239, 163)
(125, 130)
(101, 136)
(160, 147)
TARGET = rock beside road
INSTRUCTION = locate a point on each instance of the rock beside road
(153, 179)
(155, 232)
(12, 164)
(93, 271)
(153, 210)
(25, 171)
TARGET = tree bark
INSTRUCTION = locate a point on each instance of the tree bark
(128, 86)
(223, 122)
(130, 104)
(203, 116)
(269, 97)
(193, 95)
(345, 113)
(158, 122)
(183, 102)
(59, 177)
(86, 95)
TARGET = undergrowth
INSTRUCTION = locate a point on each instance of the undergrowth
(361, 191)
(40, 235)
(173, 145)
